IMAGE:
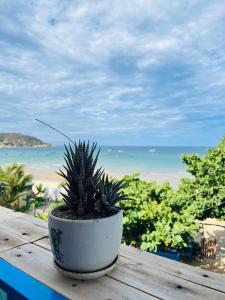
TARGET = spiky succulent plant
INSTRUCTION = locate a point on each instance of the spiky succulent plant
(88, 189)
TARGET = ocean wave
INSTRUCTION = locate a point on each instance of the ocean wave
(152, 150)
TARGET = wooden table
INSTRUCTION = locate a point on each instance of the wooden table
(138, 275)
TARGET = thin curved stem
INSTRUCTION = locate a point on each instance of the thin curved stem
(55, 130)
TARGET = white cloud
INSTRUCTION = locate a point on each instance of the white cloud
(134, 65)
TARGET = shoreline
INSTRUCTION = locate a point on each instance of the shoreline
(51, 180)
(22, 147)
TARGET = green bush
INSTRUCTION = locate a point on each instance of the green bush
(204, 193)
(16, 189)
(160, 216)
(44, 214)
(15, 185)
(154, 219)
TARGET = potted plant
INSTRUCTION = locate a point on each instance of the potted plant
(85, 232)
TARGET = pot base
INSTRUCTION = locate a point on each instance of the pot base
(86, 275)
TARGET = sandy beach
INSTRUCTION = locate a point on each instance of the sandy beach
(51, 179)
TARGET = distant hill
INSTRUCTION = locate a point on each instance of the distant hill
(20, 140)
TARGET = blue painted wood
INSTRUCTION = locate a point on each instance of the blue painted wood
(19, 285)
(177, 255)
(168, 254)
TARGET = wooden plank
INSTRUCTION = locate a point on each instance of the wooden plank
(30, 219)
(37, 262)
(155, 275)
(9, 240)
(23, 229)
(153, 279)
(44, 243)
(176, 269)
(6, 213)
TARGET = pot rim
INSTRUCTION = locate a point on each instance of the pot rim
(80, 220)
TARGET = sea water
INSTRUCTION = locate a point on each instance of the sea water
(118, 160)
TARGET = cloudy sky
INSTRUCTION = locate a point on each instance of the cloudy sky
(145, 72)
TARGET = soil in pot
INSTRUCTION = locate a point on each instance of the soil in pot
(65, 213)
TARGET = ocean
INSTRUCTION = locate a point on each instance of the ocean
(157, 163)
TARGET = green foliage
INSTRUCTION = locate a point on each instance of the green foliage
(44, 215)
(160, 217)
(39, 195)
(34, 200)
(88, 190)
(15, 185)
(154, 219)
(16, 189)
(204, 193)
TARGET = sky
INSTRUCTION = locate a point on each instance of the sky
(145, 72)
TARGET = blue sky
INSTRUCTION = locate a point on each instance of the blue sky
(142, 72)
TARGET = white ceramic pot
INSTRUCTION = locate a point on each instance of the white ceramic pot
(85, 245)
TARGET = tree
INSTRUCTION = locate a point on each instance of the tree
(154, 219)
(15, 185)
(204, 194)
